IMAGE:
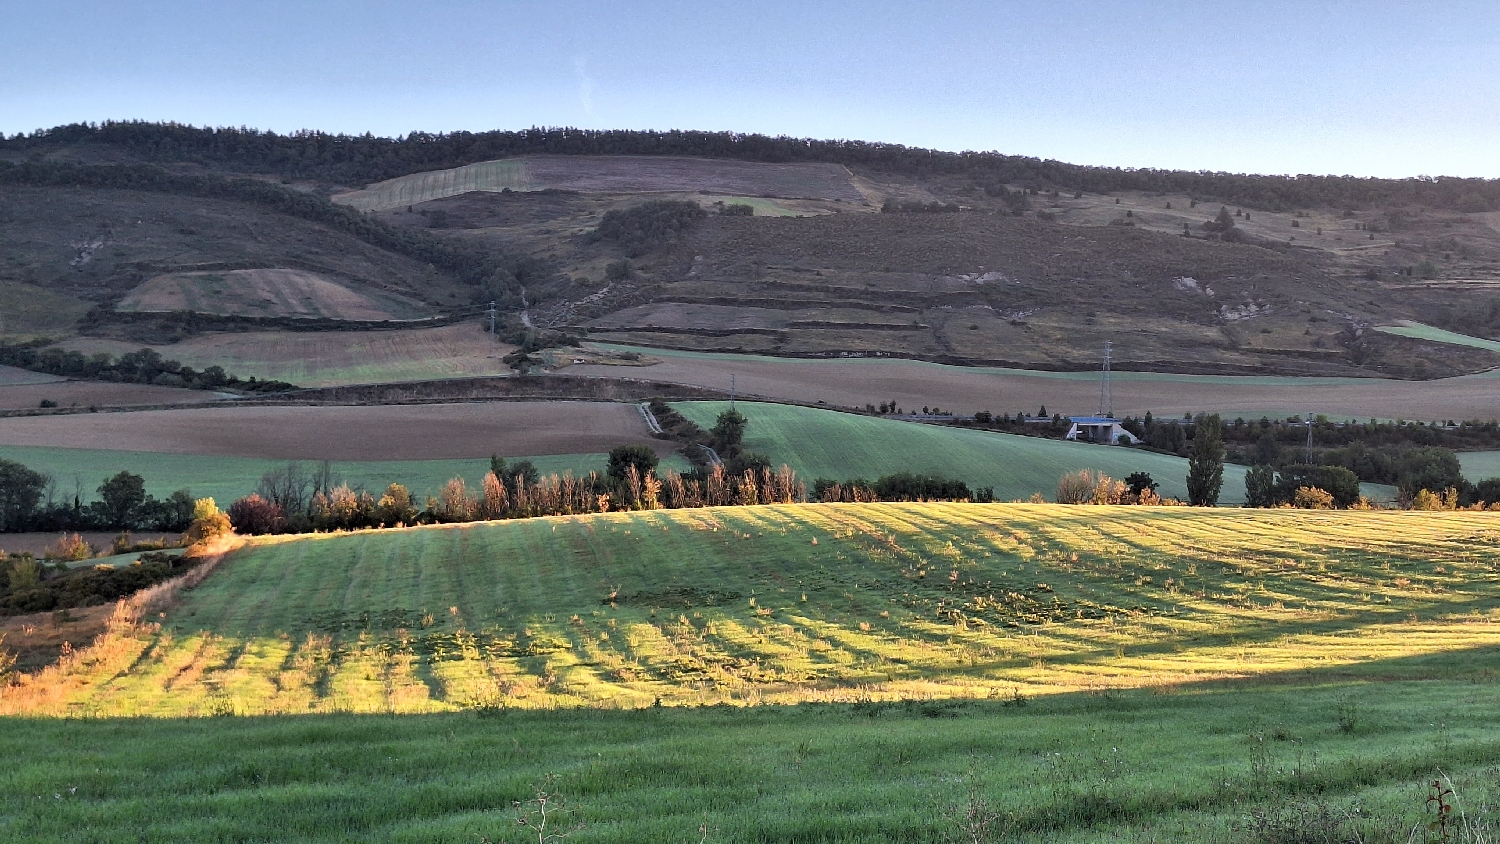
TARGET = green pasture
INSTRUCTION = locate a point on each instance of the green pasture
(830, 444)
(1480, 465)
(1191, 766)
(1095, 674)
(227, 478)
(797, 604)
(1418, 331)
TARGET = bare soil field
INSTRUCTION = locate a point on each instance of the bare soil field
(612, 174)
(912, 384)
(382, 432)
(98, 394)
(285, 293)
(330, 358)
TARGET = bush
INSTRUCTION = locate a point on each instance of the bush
(639, 456)
(1076, 487)
(650, 225)
(1312, 498)
(254, 516)
(69, 547)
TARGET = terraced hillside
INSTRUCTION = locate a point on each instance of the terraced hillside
(794, 603)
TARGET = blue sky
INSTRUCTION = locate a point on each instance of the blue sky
(1368, 88)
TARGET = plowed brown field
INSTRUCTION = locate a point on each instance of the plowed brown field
(383, 432)
(912, 384)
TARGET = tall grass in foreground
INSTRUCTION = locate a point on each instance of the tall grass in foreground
(1202, 763)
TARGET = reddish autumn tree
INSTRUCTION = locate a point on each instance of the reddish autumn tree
(255, 515)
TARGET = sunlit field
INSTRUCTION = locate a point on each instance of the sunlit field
(796, 603)
(1094, 674)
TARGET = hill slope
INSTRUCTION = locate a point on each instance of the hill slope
(792, 603)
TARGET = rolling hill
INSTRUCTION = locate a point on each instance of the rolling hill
(789, 603)
(984, 259)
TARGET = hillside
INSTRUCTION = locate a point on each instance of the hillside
(792, 603)
(983, 259)
(840, 446)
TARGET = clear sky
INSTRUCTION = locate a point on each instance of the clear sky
(1319, 86)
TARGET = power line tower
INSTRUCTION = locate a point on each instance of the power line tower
(492, 322)
(731, 391)
(1106, 400)
(1310, 421)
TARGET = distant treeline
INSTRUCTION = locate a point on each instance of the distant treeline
(143, 367)
(497, 274)
(31, 501)
(357, 160)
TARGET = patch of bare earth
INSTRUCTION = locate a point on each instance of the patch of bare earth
(266, 292)
(912, 384)
(99, 394)
(380, 432)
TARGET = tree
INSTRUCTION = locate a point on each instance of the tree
(1206, 466)
(1337, 481)
(1260, 486)
(395, 506)
(640, 456)
(209, 524)
(729, 429)
(20, 493)
(120, 497)
(1139, 482)
(253, 515)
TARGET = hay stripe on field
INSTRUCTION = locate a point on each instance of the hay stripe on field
(738, 605)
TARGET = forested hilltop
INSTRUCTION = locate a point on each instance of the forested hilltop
(360, 159)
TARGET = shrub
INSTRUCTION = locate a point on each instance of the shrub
(395, 506)
(209, 524)
(1312, 498)
(69, 547)
(253, 515)
(1076, 487)
(639, 457)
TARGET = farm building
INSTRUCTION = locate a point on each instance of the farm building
(1098, 429)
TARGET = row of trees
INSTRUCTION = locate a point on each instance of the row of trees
(28, 502)
(901, 486)
(143, 367)
(515, 497)
(357, 160)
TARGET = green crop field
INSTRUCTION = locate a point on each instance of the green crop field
(801, 603)
(1418, 331)
(1479, 465)
(227, 478)
(823, 443)
(1097, 674)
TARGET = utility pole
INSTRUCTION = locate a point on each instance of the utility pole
(731, 391)
(1106, 400)
(1309, 439)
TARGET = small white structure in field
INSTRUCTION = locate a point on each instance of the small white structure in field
(1098, 429)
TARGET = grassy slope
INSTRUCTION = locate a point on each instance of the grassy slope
(823, 443)
(909, 600)
(227, 478)
(1418, 331)
(1479, 465)
(1297, 599)
(1124, 767)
